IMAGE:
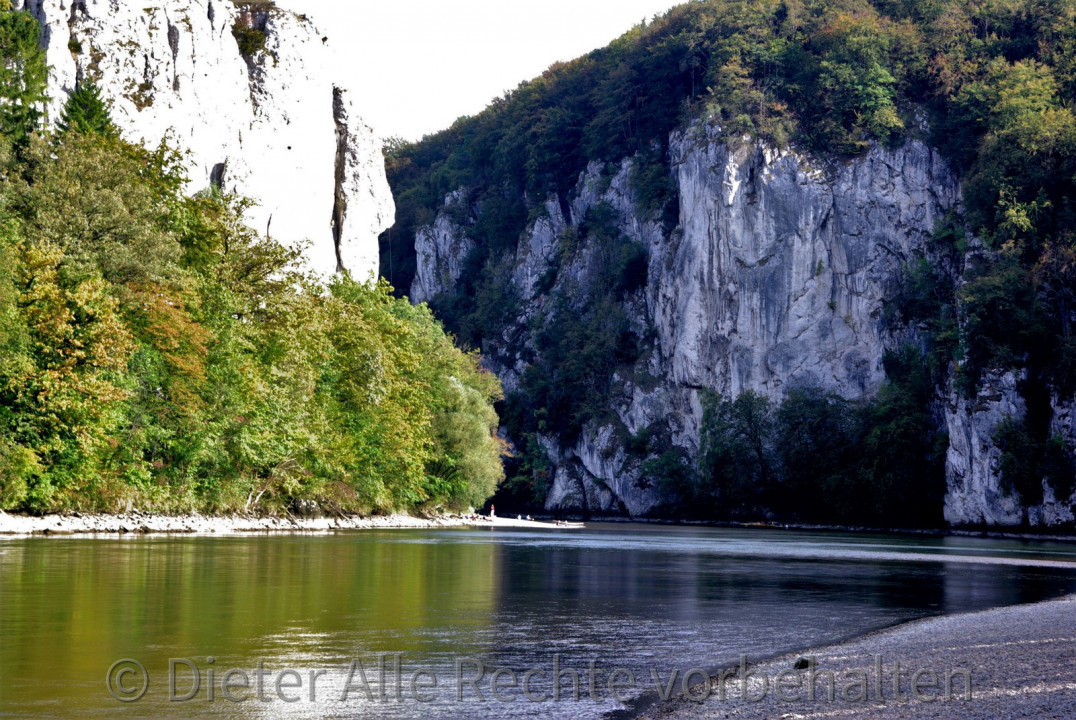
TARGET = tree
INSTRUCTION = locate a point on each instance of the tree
(156, 352)
(735, 451)
(106, 204)
(1022, 178)
(23, 77)
(86, 112)
(62, 402)
(902, 457)
(414, 414)
(818, 441)
(18, 463)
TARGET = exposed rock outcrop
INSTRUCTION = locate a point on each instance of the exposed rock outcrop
(977, 496)
(442, 249)
(269, 120)
(784, 265)
(776, 275)
(362, 202)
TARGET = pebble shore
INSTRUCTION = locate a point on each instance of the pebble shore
(1021, 661)
(145, 523)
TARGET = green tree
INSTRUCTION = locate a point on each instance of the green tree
(1025, 160)
(819, 441)
(62, 405)
(87, 113)
(106, 204)
(416, 413)
(23, 77)
(736, 455)
(903, 454)
(156, 352)
(18, 463)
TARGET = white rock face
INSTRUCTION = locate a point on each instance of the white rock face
(364, 207)
(782, 267)
(775, 277)
(276, 126)
(442, 249)
(538, 251)
(975, 496)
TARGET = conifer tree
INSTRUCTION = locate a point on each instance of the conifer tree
(87, 112)
(23, 75)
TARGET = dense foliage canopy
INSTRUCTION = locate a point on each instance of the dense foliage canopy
(157, 353)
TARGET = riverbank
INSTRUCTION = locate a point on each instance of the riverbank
(197, 524)
(147, 523)
(1020, 661)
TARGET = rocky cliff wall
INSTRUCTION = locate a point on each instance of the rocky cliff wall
(776, 275)
(275, 124)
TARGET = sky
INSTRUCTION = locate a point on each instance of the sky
(418, 65)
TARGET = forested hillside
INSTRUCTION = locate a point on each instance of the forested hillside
(990, 84)
(157, 354)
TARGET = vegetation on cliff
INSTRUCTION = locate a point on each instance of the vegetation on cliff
(156, 353)
(991, 83)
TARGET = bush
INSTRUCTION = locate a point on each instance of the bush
(250, 38)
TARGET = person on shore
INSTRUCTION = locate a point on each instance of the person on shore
(493, 511)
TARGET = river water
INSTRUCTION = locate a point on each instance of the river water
(399, 624)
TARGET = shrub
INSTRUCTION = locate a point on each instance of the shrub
(250, 38)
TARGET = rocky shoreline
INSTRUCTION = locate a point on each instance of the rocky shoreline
(196, 524)
(1019, 661)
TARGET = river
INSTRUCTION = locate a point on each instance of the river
(401, 624)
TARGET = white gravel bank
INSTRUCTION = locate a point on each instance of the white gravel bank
(83, 524)
(1021, 662)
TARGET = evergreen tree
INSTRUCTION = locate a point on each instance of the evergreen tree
(87, 112)
(23, 76)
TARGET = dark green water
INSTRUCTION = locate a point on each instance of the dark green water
(641, 598)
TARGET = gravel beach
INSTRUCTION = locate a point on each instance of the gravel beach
(1021, 662)
(146, 523)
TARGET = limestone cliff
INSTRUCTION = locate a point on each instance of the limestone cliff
(776, 274)
(271, 120)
